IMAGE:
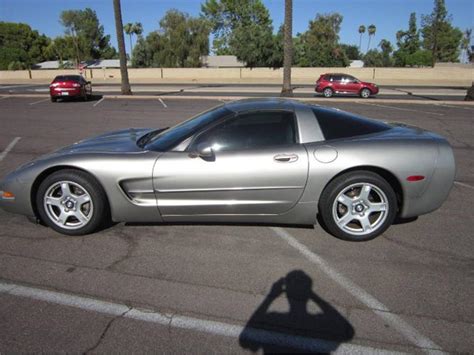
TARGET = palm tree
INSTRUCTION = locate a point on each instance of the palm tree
(287, 49)
(128, 28)
(361, 32)
(371, 31)
(137, 28)
(125, 85)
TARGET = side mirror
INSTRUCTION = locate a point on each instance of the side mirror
(203, 151)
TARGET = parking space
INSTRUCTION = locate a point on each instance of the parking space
(170, 287)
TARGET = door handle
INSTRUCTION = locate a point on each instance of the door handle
(285, 158)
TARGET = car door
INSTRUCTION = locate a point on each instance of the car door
(337, 83)
(351, 84)
(249, 164)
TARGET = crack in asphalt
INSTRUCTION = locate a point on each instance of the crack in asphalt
(104, 332)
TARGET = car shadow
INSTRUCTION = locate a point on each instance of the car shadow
(299, 329)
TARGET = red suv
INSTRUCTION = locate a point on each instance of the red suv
(330, 84)
(70, 86)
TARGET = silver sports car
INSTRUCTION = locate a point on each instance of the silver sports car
(250, 161)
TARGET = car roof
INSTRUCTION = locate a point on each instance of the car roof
(263, 104)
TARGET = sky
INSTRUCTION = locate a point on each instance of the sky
(388, 16)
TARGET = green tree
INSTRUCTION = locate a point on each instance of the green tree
(133, 29)
(439, 36)
(21, 45)
(87, 33)
(180, 41)
(387, 49)
(125, 84)
(371, 31)
(242, 28)
(352, 51)
(373, 58)
(320, 43)
(361, 32)
(408, 42)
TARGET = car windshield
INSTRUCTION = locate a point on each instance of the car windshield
(68, 78)
(164, 140)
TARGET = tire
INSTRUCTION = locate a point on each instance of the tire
(328, 92)
(358, 206)
(365, 93)
(53, 99)
(72, 202)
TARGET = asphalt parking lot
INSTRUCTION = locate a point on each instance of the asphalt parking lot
(218, 288)
(390, 92)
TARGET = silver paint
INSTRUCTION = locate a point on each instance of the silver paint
(247, 186)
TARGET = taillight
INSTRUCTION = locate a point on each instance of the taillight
(76, 85)
(53, 85)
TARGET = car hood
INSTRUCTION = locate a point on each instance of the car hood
(112, 142)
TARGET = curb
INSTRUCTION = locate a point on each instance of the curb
(234, 98)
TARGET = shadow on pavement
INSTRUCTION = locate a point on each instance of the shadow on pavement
(272, 331)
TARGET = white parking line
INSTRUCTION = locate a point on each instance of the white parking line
(464, 185)
(98, 102)
(376, 306)
(458, 106)
(402, 109)
(37, 102)
(9, 147)
(162, 102)
(177, 321)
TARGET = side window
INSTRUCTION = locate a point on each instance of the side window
(339, 124)
(336, 78)
(250, 131)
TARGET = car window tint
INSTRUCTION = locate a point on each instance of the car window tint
(336, 78)
(339, 124)
(171, 137)
(251, 131)
(76, 78)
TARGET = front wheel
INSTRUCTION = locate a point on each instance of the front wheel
(358, 206)
(72, 202)
(365, 93)
(328, 92)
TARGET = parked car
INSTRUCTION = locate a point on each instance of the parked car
(330, 84)
(251, 161)
(70, 86)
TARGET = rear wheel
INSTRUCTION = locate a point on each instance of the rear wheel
(365, 93)
(328, 92)
(53, 99)
(72, 202)
(358, 206)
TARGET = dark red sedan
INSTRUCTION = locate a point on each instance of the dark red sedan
(330, 84)
(64, 86)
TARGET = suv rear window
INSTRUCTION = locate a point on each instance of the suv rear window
(339, 124)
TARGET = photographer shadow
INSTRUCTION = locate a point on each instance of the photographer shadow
(298, 329)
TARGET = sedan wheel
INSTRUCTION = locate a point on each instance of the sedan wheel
(365, 93)
(328, 92)
(358, 206)
(72, 202)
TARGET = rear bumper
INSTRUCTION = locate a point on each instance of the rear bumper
(65, 92)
